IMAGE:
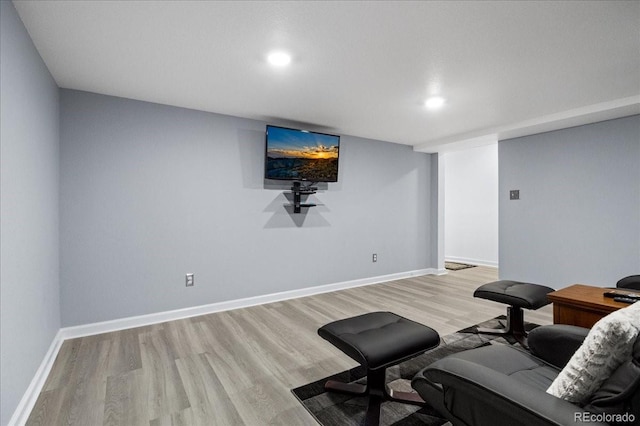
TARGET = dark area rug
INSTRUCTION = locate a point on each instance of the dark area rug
(334, 409)
(455, 266)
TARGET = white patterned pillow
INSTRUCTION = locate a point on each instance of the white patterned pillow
(608, 344)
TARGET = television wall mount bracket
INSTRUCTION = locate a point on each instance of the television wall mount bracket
(298, 191)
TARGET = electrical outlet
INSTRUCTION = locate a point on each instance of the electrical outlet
(514, 194)
(374, 258)
(189, 280)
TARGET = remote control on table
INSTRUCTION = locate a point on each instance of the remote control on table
(619, 293)
(625, 299)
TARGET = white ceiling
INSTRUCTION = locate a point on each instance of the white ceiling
(359, 68)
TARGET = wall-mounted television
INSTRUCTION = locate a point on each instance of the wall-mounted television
(301, 155)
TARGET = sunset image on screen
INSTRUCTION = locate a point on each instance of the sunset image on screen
(294, 154)
(319, 152)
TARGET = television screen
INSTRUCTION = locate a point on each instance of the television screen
(301, 155)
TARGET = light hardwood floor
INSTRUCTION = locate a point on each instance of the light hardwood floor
(238, 367)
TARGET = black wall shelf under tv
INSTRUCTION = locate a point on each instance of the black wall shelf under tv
(298, 191)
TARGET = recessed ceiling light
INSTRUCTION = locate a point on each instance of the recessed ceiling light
(434, 102)
(279, 59)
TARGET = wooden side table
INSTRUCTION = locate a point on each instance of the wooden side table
(582, 305)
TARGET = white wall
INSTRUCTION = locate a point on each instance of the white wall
(471, 205)
(29, 192)
(578, 217)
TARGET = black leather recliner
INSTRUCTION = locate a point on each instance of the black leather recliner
(501, 385)
(632, 282)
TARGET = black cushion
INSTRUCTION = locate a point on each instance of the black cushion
(514, 293)
(379, 339)
(530, 371)
(556, 343)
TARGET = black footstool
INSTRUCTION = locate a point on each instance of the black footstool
(517, 295)
(378, 340)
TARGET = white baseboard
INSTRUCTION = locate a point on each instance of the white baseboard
(30, 397)
(28, 401)
(155, 318)
(472, 261)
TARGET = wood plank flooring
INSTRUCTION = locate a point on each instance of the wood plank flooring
(238, 367)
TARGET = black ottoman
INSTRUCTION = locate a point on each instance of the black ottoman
(378, 340)
(518, 296)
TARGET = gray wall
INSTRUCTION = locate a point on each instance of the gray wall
(578, 217)
(151, 192)
(29, 164)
